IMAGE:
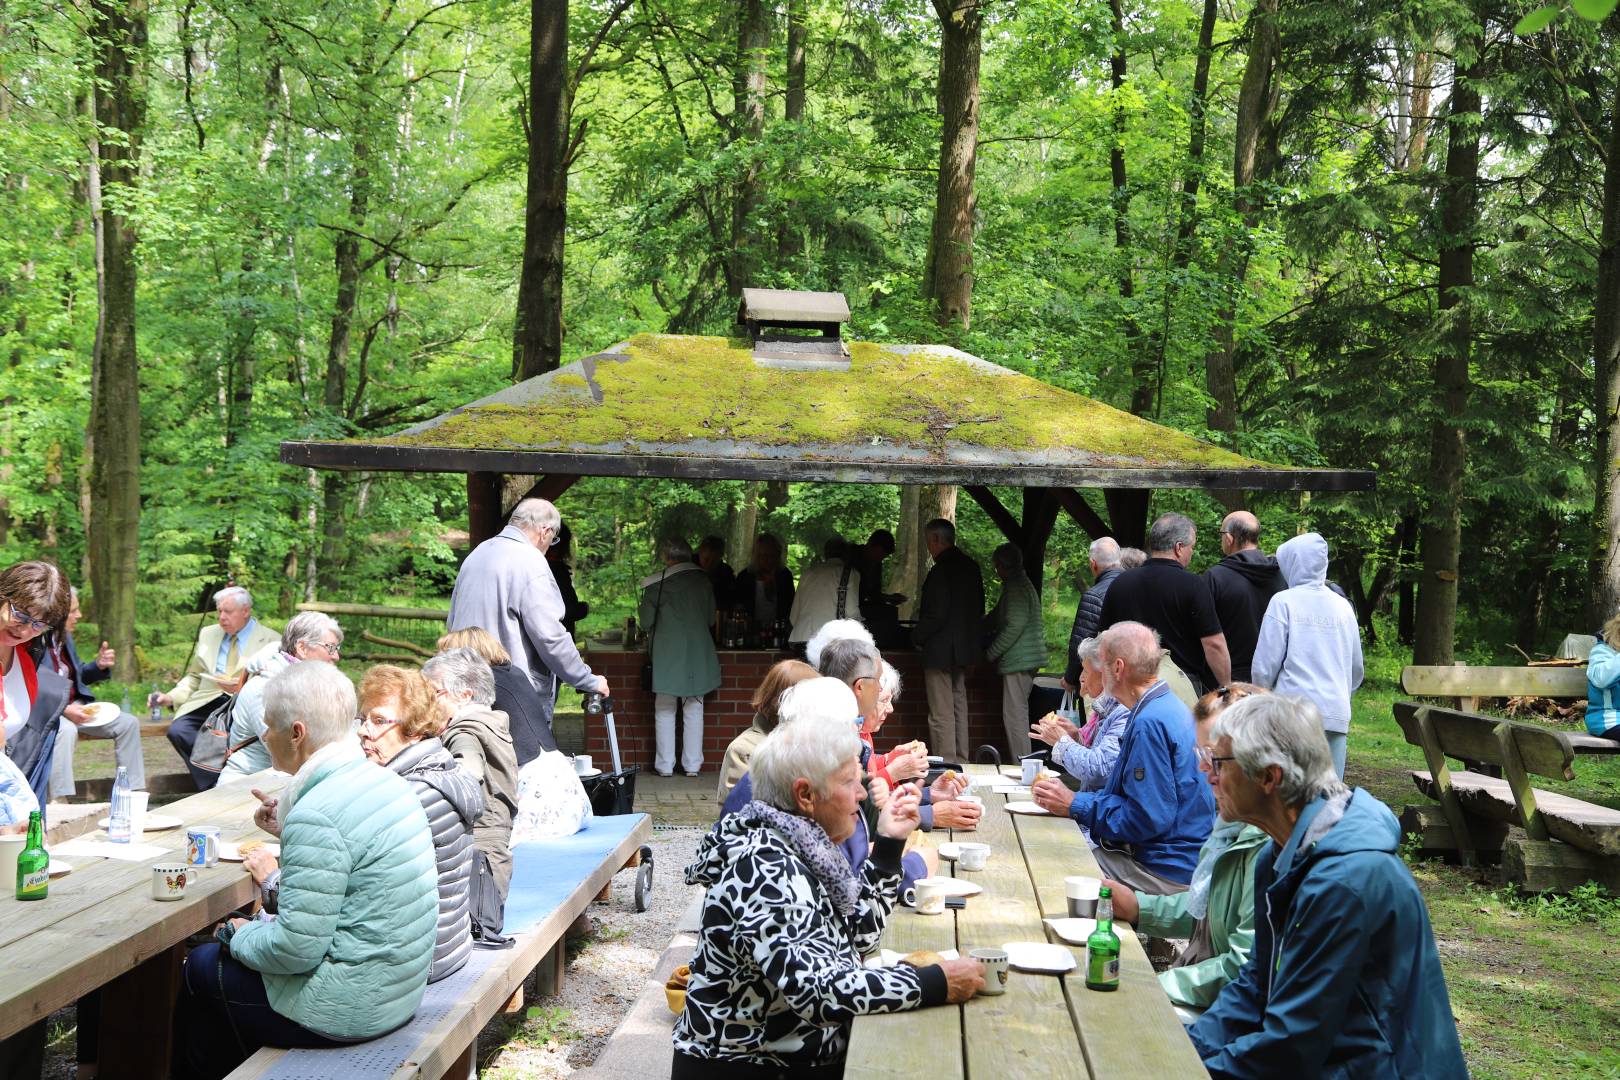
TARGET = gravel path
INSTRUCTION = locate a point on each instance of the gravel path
(605, 973)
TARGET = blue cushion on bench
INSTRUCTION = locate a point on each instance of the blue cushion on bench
(544, 872)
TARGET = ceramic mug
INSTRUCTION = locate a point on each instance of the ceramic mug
(927, 896)
(1032, 768)
(972, 856)
(995, 969)
(582, 764)
(169, 880)
(1082, 894)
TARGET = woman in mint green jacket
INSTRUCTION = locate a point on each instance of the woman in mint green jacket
(347, 956)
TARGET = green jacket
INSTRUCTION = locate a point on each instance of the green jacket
(1020, 641)
(349, 950)
(1231, 923)
(679, 620)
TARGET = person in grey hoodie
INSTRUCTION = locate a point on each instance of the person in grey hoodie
(1310, 644)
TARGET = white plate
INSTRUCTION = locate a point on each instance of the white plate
(1011, 789)
(101, 713)
(588, 775)
(958, 887)
(950, 849)
(229, 852)
(1039, 956)
(1026, 808)
(58, 867)
(1074, 931)
(889, 958)
(153, 823)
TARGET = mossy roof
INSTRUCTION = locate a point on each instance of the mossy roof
(699, 407)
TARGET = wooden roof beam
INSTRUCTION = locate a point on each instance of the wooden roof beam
(1009, 526)
(1084, 516)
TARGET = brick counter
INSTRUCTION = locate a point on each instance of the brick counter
(727, 711)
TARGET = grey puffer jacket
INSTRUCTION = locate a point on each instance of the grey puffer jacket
(453, 802)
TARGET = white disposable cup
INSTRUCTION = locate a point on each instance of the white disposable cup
(138, 801)
(1082, 892)
(1032, 767)
(972, 800)
(10, 848)
(995, 970)
(169, 880)
(582, 764)
(927, 896)
(973, 856)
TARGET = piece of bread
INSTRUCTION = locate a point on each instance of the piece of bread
(248, 845)
(923, 958)
(678, 978)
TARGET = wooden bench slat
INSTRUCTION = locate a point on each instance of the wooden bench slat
(1470, 737)
(1581, 824)
(1465, 681)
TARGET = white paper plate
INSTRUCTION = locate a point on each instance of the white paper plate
(101, 713)
(1039, 956)
(1027, 808)
(230, 852)
(1074, 931)
(1021, 790)
(153, 823)
(58, 867)
(588, 775)
(958, 887)
(889, 958)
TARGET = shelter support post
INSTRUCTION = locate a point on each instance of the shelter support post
(1075, 505)
(1127, 515)
(484, 517)
(996, 512)
(1040, 514)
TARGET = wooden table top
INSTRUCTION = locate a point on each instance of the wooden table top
(100, 921)
(1044, 1025)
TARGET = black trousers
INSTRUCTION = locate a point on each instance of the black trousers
(687, 1067)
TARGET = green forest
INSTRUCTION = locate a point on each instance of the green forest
(1342, 234)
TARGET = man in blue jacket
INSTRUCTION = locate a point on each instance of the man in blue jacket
(1147, 823)
(1344, 979)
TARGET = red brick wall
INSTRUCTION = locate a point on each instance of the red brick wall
(726, 711)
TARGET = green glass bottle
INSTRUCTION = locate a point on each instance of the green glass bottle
(1102, 947)
(34, 863)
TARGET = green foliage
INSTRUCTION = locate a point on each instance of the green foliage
(1589, 903)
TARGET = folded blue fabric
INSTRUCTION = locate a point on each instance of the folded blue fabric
(544, 872)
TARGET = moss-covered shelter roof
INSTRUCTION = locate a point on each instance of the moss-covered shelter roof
(700, 408)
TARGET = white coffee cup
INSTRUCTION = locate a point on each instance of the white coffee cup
(1082, 893)
(138, 801)
(1032, 768)
(169, 880)
(10, 848)
(972, 856)
(995, 970)
(928, 896)
(582, 764)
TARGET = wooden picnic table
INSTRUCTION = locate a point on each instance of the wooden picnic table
(1044, 1025)
(100, 928)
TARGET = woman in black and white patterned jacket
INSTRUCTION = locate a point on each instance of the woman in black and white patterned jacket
(777, 977)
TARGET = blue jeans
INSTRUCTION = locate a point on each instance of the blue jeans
(223, 1016)
(1337, 744)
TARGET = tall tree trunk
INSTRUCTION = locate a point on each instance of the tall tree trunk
(748, 122)
(745, 524)
(1459, 212)
(1120, 201)
(537, 336)
(118, 36)
(919, 504)
(797, 33)
(1605, 566)
(948, 275)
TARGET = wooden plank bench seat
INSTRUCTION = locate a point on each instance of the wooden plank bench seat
(1467, 685)
(553, 883)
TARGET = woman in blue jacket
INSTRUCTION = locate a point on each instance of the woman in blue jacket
(1603, 683)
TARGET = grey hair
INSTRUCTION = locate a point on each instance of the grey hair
(236, 595)
(811, 748)
(319, 695)
(1169, 530)
(832, 631)
(889, 681)
(1009, 559)
(1131, 557)
(820, 696)
(675, 549)
(1135, 643)
(532, 515)
(1105, 552)
(1090, 651)
(309, 626)
(1277, 729)
(848, 659)
(941, 530)
(462, 671)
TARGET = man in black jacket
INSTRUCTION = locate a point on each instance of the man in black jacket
(1242, 584)
(947, 634)
(1088, 613)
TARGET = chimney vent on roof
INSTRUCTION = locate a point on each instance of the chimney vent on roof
(796, 331)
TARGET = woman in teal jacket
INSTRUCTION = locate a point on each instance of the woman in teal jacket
(1017, 643)
(347, 956)
(1603, 683)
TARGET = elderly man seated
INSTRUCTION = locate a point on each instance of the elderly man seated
(217, 665)
(1344, 979)
(310, 635)
(1147, 823)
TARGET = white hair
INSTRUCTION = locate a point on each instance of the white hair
(1281, 730)
(1105, 552)
(532, 515)
(309, 626)
(889, 681)
(236, 595)
(1135, 643)
(1090, 652)
(462, 671)
(820, 696)
(832, 631)
(319, 695)
(813, 748)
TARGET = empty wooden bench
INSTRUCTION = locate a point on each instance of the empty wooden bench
(1567, 841)
(553, 883)
(1466, 685)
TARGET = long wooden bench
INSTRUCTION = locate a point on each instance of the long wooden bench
(553, 883)
(1466, 685)
(1567, 841)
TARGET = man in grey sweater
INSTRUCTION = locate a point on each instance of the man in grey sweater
(506, 587)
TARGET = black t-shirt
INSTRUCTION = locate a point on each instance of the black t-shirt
(1172, 600)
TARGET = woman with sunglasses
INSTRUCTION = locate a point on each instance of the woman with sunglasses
(34, 598)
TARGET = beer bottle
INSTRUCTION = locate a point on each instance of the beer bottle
(34, 863)
(1102, 947)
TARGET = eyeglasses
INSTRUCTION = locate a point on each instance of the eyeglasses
(375, 723)
(24, 621)
(333, 649)
(1209, 761)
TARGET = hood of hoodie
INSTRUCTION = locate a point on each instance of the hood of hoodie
(1255, 566)
(430, 763)
(733, 837)
(1366, 825)
(490, 725)
(1304, 560)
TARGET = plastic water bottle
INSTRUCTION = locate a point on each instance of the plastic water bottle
(118, 824)
(125, 705)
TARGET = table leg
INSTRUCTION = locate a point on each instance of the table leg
(137, 1013)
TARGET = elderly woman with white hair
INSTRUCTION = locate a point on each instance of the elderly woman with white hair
(1087, 752)
(347, 956)
(309, 635)
(478, 737)
(777, 977)
(1344, 979)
